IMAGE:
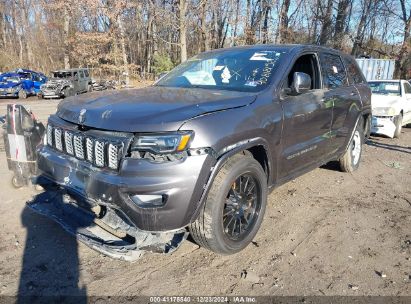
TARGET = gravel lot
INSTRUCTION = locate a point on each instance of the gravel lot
(325, 233)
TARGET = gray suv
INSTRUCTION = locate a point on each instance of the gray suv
(199, 151)
(65, 83)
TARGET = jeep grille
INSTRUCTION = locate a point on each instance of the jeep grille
(101, 152)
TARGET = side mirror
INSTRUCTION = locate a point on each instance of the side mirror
(301, 83)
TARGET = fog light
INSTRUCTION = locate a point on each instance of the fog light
(148, 201)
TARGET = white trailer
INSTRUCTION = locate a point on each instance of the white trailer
(375, 69)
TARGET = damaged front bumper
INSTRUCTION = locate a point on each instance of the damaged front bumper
(51, 94)
(383, 125)
(102, 229)
(180, 183)
(6, 93)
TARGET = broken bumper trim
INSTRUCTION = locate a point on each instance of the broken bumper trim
(81, 224)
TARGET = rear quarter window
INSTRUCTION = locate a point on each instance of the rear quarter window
(333, 71)
(355, 76)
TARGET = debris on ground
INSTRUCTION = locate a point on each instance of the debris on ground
(292, 192)
(394, 165)
(381, 274)
(353, 286)
(250, 276)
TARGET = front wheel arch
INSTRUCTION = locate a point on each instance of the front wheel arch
(247, 147)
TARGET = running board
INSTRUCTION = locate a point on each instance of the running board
(96, 233)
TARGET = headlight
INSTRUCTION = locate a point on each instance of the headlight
(14, 89)
(163, 143)
(383, 111)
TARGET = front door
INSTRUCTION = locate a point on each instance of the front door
(76, 82)
(307, 121)
(407, 102)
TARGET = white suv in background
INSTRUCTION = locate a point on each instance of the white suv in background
(391, 106)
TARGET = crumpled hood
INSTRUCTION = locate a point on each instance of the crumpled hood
(57, 81)
(152, 109)
(385, 101)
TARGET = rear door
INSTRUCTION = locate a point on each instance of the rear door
(343, 97)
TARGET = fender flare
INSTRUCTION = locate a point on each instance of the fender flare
(222, 157)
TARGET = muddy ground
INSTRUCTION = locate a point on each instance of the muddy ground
(325, 233)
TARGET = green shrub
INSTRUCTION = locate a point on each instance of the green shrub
(162, 63)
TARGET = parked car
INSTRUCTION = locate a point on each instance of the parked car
(21, 83)
(200, 150)
(65, 83)
(391, 106)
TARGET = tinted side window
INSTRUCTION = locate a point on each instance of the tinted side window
(407, 88)
(36, 77)
(333, 70)
(354, 73)
(86, 73)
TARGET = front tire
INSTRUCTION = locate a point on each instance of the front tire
(16, 183)
(234, 208)
(67, 92)
(350, 161)
(398, 126)
(22, 94)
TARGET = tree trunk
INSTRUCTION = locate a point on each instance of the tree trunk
(266, 15)
(149, 49)
(234, 36)
(66, 36)
(204, 34)
(361, 27)
(326, 26)
(26, 31)
(283, 24)
(342, 14)
(183, 29)
(400, 64)
(123, 49)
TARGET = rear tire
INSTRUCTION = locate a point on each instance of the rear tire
(234, 208)
(350, 161)
(398, 126)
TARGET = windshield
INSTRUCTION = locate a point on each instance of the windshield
(248, 70)
(385, 88)
(14, 79)
(62, 74)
